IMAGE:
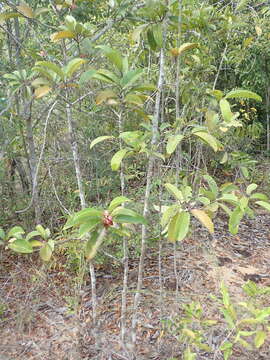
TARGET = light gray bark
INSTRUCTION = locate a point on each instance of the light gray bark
(150, 169)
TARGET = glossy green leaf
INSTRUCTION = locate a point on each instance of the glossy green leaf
(259, 196)
(226, 110)
(212, 184)
(157, 34)
(204, 219)
(2, 234)
(264, 204)
(82, 217)
(251, 188)
(172, 143)
(130, 77)
(104, 96)
(8, 15)
(113, 55)
(106, 76)
(234, 221)
(136, 33)
(185, 47)
(65, 34)
(260, 338)
(128, 216)
(207, 138)
(88, 226)
(243, 94)
(117, 159)
(15, 231)
(93, 244)
(21, 246)
(173, 190)
(32, 234)
(100, 139)
(46, 252)
(151, 40)
(119, 200)
(86, 76)
(73, 65)
(26, 10)
(179, 226)
(51, 66)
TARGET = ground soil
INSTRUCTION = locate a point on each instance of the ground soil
(45, 312)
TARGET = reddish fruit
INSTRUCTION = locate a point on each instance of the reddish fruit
(107, 219)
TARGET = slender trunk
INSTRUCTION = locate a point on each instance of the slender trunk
(75, 152)
(33, 163)
(179, 149)
(267, 121)
(150, 169)
(125, 243)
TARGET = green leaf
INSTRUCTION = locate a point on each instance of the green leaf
(172, 143)
(2, 234)
(244, 94)
(259, 196)
(21, 246)
(234, 221)
(230, 198)
(31, 235)
(25, 9)
(82, 217)
(134, 99)
(227, 349)
(117, 159)
(172, 189)
(88, 226)
(51, 66)
(105, 95)
(188, 355)
(260, 338)
(86, 76)
(15, 231)
(46, 252)
(130, 77)
(65, 34)
(119, 200)
(186, 46)
(158, 36)
(251, 188)
(226, 110)
(136, 33)
(113, 55)
(209, 139)
(265, 205)
(212, 184)
(168, 214)
(100, 139)
(179, 226)
(35, 243)
(244, 171)
(106, 76)
(225, 295)
(42, 91)
(73, 66)
(143, 87)
(204, 219)
(91, 246)
(123, 215)
(41, 231)
(151, 40)
(8, 15)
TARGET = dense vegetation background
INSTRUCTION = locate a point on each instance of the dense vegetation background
(133, 136)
